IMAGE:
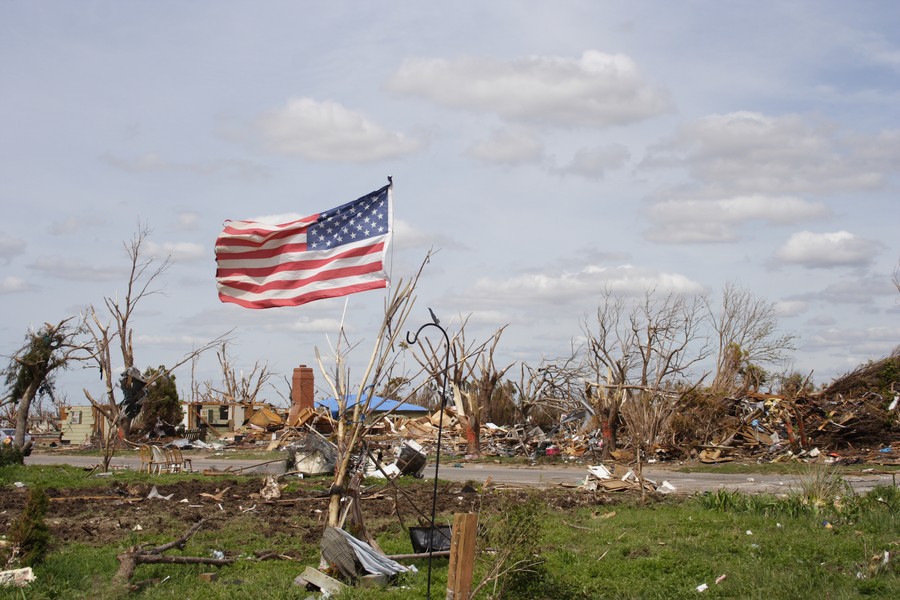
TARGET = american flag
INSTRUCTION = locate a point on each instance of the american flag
(325, 255)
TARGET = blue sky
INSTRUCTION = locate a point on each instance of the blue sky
(547, 150)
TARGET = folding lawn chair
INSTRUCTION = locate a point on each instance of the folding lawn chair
(146, 454)
(159, 460)
(181, 461)
(173, 463)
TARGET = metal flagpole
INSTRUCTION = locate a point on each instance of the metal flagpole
(412, 339)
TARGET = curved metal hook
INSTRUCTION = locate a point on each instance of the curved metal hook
(412, 339)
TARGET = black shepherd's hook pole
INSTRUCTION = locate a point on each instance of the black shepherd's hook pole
(412, 339)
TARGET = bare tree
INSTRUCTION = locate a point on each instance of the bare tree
(237, 386)
(117, 331)
(746, 328)
(668, 336)
(350, 432)
(538, 394)
(636, 351)
(895, 277)
(531, 387)
(609, 358)
(648, 415)
(31, 368)
(472, 377)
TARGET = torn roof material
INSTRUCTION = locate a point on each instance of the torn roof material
(378, 405)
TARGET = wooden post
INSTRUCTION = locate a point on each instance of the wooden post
(462, 556)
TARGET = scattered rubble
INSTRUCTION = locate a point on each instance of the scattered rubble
(854, 419)
(17, 577)
(621, 479)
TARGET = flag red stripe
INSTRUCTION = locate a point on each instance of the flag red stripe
(263, 266)
(275, 238)
(289, 284)
(296, 265)
(263, 253)
(265, 231)
(304, 298)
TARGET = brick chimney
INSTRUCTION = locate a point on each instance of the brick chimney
(302, 391)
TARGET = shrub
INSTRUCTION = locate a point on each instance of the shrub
(510, 546)
(10, 455)
(30, 536)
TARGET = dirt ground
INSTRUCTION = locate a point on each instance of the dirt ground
(105, 515)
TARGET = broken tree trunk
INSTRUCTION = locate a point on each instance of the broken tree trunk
(137, 555)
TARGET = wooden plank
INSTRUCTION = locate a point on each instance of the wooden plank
(104, 498)
(322, 581)
(437, 554)
(462, 556)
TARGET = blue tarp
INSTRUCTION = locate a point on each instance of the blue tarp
(378, 405)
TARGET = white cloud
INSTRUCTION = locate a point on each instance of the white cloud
(748, 152)
(71, 224)
(772, 209)
(277, 218)
(574, 287)
(407, 236)
(870, 340)
(595, 90)
(153, 163)
(879, 50)
(693, 233)
(183, 341)
(188, 221)
(13, 285)
(307, 325)
(821, 321)
(791, 308)
(824, 250)
(594, 163)
(510, 146)
(10, 246)
(178, 251)
(689, 221)
(75, 270)
(861, 290)
(327, 131)
(490, 318)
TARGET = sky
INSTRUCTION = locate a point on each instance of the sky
(544, 151)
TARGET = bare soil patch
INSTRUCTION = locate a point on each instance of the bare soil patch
(106, 515)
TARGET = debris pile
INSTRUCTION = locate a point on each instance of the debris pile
(620, 479)
(855, 418)
(772, 427)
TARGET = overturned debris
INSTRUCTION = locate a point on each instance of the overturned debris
(599, 477)
(355, 558)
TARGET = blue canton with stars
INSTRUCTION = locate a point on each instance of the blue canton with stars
(359, 220)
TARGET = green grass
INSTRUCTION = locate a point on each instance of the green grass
(69, 477)
(782, 468)
(796, 548)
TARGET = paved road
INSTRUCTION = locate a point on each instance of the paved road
(686, 483)
(549, 475)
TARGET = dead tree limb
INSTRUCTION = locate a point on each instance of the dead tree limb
(137, 555)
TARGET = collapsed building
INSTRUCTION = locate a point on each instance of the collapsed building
(845, 421)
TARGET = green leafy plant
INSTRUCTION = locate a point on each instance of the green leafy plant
(510, 553)
(823, 489)
(29, 535)
(10, 455)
